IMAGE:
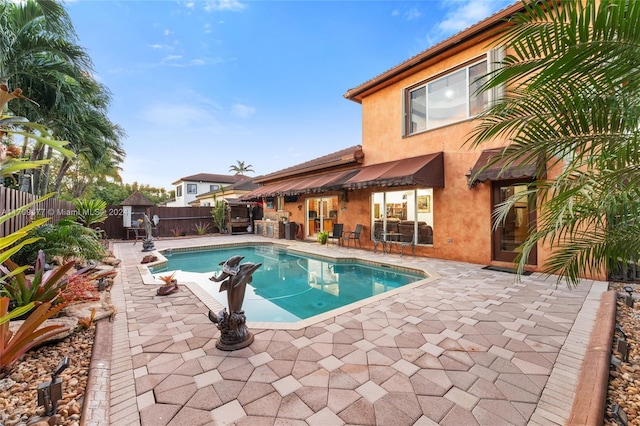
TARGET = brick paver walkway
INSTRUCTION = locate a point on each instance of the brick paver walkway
(468, 347)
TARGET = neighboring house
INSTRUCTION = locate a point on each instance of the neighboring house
(189, 187)
(227, 192)
(409, 181)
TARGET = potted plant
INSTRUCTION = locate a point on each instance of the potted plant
(322, 237)
(170, 285)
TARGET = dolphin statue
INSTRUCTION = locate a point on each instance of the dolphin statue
(235, 278)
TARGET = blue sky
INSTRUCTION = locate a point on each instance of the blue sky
(198, 85)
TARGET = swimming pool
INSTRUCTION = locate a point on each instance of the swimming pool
(289, 286)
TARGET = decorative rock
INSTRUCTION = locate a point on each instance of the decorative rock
(112, 261)
(70, 323)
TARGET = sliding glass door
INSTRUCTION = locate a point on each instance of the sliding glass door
(322, 213)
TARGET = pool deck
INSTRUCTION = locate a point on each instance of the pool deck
(467, 347)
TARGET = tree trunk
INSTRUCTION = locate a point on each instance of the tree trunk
(64, 166)
(46, 170)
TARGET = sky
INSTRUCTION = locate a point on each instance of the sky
(199, 85)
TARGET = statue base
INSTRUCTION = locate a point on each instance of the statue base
(233, 328)
(147, 245)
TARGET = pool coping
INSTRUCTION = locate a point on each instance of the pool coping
(213, 305)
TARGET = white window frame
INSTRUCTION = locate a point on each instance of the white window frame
(192, 188)
(492, 57)
(179, 191)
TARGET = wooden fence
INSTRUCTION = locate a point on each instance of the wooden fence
(12, 200)
(173, 220)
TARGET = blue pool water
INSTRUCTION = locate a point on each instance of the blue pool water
(289, 286)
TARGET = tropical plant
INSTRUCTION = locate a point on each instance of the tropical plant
(573, 91)
(86, 323)
(240, 168)
(79, 288)
(67, 239)
(176, 231)
(45, 286)
(39, 51)
(29, 335)
(219, 214)
(90, 212)
(323, 236)
(167, 279)
(201, 228)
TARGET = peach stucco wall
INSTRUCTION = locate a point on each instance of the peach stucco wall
(461, 216)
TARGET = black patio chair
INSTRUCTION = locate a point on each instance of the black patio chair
(336, 234)
(354, 236)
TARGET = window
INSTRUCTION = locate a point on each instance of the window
(446, 99)
(214, 187)
(404, 215)
(192, 188)
(179, 191)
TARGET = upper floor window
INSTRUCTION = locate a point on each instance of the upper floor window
(192, 188)
(179, 191)
(446, 99)
(214, 187)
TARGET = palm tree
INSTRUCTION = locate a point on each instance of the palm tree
(38, 51)
(240, 168)
(573, 101)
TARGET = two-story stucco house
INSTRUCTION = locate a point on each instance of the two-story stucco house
(409, 180)
(189, 187)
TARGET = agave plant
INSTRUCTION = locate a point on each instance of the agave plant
(201, 228)
(29, 335)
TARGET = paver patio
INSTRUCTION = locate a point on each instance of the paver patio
(470, 347)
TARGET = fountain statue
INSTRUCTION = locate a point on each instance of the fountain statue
(147, 244)
(233, 324)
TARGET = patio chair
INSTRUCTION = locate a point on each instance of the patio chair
(378, 239)
(410, 244)
(354, 236)
(336, 234)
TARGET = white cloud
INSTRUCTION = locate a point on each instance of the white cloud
(167, 32)
(172, 57)
(464, 14)
(395, 12)
(412, 13)
(157, 46)
(176, 115)
(230, 5)
(243, 111)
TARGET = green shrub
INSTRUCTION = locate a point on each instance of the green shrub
(201, 228)
(90, 212)
(67, 239)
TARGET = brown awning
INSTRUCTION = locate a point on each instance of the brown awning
(425, 170)
(499, 168)
(303, 185)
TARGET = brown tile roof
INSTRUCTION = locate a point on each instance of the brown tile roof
(136, 199)
(246, 184)
(351, 155)
(435, 53)
(209, 177)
